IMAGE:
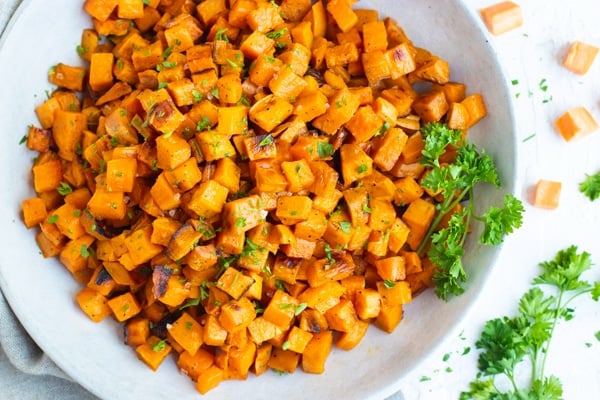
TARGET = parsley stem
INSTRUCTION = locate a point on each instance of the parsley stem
(546, 346)
(449, 203)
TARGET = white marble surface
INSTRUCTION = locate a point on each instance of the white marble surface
(530, 54)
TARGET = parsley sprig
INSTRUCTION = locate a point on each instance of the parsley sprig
(455, 183)
(591, 186)
(507, 342)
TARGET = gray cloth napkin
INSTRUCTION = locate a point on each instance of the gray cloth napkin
(26, 373)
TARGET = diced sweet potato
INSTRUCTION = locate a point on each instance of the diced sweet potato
(502, 17)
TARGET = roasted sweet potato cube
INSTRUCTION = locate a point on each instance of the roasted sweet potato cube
(187, 332)
(316, 352)
(431, 107)
(34, 211)
(237, 314)
(124, 306)
(343, 105)
(356, 164)
(153, 352)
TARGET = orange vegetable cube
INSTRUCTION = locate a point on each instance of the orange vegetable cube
(342, 317)
(400, 60)
(580, 57)
(502, 17)
(100, 9)
(153, 352)
(343, 105)
(124, 306)
(120, 174)
(187, 332)
(391, 268)
(356, 164)
(185, 176)
(136, 331)
(364, 124)
(67, 221)
(270, 111)
(431, 107)
(298, 174)
(109, 205)
(212, 376)
(164, 194)
(101, 76)
(287, 84)
(283, 360)
(234, 282)
(262, 330)
(297, 340)
(341, 55)
(418, 216)
(281, 309)
(264, 18)
(389, 317)
(230, 88)
(140, 247)
(575, 123)
(47, 176)
(374, 36)
(293, 209)
(310, 105)
(175, 291)
(182, 241)
(237, 314)
(93, 304)
(349, 340)
(367, 303)
(475, 107)
(546, 194)
(67, 131)
(34, 211)
(269, 178)
(171, 151)
(313, 227)
(67, 76)
(193, 365)
(316, 352)
(342, 13)
(214, 333)
(208, 199)
(390, 148)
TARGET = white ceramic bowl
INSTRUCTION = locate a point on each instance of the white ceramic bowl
(41, 292)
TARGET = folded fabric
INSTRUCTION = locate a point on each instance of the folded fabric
(25, 371)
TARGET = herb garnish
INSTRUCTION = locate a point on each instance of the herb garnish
(591, 186)
(455, 182)
(507, 342)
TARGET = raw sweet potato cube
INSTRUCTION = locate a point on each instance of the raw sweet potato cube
(575, 123)
(502, 17)
(580, 57)
(546, 194)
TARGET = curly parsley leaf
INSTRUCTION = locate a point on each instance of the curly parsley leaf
(506, 343)
(565, 270)
(591, 186)
(454, 181)
(502, 221)
(437, 137)
(447, 250)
